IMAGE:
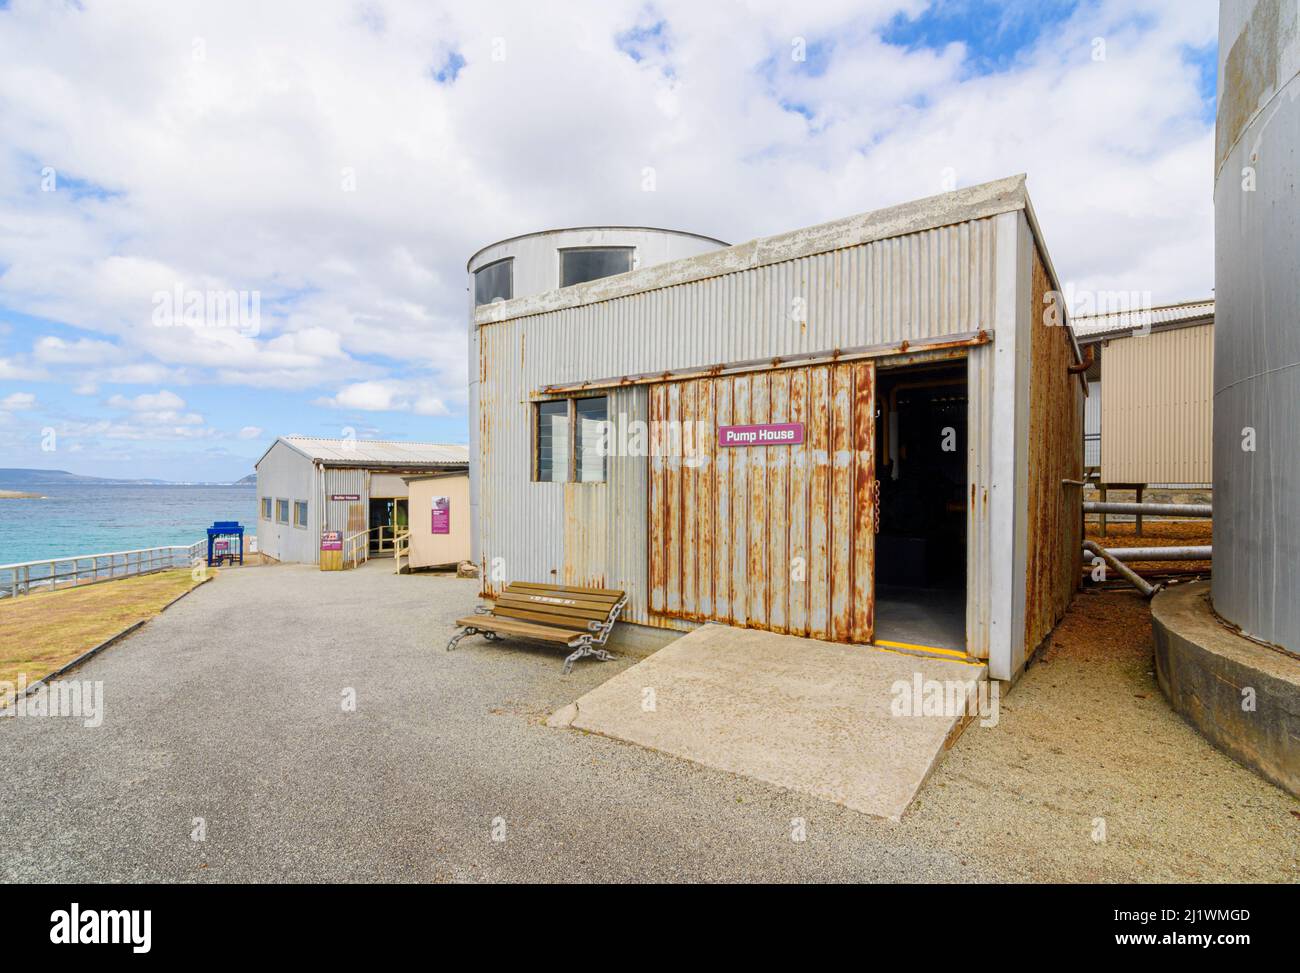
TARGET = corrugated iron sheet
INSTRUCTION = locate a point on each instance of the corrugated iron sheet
(1090, 327)
(1157, 413)
(1055, 448)
(779, 537)
(353, 451)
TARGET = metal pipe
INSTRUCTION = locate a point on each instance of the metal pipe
(1158, 553)
(1150, 509)
(1084, 364)
(1123, 570)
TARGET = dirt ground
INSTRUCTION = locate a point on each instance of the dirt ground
(1091, 776)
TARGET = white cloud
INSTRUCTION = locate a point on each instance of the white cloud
(83, 351)
(225, 173)
(250, 432)
(13, 370)
(146, 402)
(17, 402)
(387, 396)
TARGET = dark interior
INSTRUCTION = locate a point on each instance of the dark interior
(921, 464)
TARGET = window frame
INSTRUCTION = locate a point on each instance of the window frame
(488, 266)
(537, 442)
(285, 501)
(268, 509)
(560, 252)
(305, 514)
(572, 452)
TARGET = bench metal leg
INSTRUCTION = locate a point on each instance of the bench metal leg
(593, 650)
(463, 633)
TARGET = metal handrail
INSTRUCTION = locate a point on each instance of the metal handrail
(147, 560)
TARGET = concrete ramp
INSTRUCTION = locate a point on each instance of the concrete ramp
(816, 717)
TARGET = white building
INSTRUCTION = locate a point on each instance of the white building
(306, 486)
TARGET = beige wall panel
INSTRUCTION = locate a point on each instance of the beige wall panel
(1157, 407)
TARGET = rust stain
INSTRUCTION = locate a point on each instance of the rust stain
(778, 537)
(1055, 454)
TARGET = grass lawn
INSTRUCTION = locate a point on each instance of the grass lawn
(40, 632)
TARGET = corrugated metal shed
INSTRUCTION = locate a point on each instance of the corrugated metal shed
(950, 277)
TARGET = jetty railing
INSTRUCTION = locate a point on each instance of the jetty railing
(47, 574)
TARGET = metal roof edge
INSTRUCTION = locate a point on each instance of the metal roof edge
(1092, 337)
(916, 216)
(278, 440)
(394, 466)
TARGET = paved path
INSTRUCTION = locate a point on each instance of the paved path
(228, 707)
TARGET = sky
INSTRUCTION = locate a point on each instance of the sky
(220, 223)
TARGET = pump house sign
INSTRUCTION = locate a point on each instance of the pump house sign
(763, 434)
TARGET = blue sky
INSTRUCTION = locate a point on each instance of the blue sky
(340, 160)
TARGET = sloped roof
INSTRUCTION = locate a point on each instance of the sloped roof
(376, 453)
(1092, 327)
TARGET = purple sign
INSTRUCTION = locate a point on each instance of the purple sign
(764, 434)
(331, 540)
(441, 523)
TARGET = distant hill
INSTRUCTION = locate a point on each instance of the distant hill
(23, 479)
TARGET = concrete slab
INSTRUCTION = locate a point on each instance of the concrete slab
(811, 716)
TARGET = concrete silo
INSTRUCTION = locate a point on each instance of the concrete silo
(535, 263)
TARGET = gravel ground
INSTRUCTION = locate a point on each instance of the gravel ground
(228, 707)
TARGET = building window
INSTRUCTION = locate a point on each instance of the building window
(591, 263)
(281, 511)
(553, 441)
(590, 453)
(300, 513)
(266, 508)
(568, 440)
(495, 282)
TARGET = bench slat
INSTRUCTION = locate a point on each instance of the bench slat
(506, 626)
(556, 621)
(565, 611)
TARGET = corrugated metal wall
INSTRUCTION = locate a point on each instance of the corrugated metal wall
(1055, 452)
(349, 516)
(285, 474)
(1257, 302)
(780, 537)
(1157, 407)
(936, 283)
(1092, 425)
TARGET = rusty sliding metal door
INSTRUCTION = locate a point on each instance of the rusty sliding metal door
(773, 537)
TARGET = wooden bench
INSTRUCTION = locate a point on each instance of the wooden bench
(577, 618)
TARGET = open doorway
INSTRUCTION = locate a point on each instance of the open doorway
(387, 515)
(921, 548)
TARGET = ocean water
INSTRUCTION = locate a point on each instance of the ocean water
(100, 518)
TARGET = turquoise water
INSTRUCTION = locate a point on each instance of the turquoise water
(97, 519)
